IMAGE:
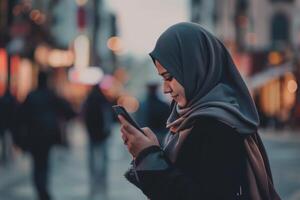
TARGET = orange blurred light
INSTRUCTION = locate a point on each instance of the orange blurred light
(35, 15)
(130, 103)
(115, 44)
(3, 70)
(41, 54)
(41, 19)
(274, 58)
(24, 83)
(60, 58)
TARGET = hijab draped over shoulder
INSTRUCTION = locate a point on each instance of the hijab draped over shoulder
(212, 83)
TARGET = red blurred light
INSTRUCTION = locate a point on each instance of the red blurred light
(14, 69)
(3, 70)
(81, 18)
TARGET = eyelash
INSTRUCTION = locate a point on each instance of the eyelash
(168, 78)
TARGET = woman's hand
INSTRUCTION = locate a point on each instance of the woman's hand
(134, 139)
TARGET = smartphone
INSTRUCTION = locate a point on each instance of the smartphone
(120, 110)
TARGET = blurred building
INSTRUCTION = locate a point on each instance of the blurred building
(264, 23)
(263, 37)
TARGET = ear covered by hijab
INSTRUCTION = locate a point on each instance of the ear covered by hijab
(212, 83)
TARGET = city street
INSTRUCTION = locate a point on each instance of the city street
(66, 61)
(69, 178)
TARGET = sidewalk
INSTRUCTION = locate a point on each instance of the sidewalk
(69, 175)
(287, 134)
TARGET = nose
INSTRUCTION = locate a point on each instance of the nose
(167, 88)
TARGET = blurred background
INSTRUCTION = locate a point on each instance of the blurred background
(63, 63)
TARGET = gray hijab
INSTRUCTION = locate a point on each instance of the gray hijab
(213, 86)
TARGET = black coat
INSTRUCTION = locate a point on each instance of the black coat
(39, 119)
(210, 165)
(97, 115)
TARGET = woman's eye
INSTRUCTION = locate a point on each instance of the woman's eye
(168, 77)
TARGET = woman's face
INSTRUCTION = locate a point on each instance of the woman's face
(171, 85)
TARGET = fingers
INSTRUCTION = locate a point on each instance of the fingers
(148, 133)
(125, 133)
(126, 125)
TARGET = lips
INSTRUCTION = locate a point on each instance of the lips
(174, 96)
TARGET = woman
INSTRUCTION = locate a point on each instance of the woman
(213, 150)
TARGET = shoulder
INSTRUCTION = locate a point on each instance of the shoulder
(209, 127)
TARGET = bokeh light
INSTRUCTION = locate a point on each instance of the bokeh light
(89, 75)
(274, 58)
(292, 86)
(130, 103)
(115, 44)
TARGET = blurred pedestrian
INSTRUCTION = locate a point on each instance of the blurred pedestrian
(8, 105)
(154, 112)
(39, 129)
(97, 115)
(213, 150)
